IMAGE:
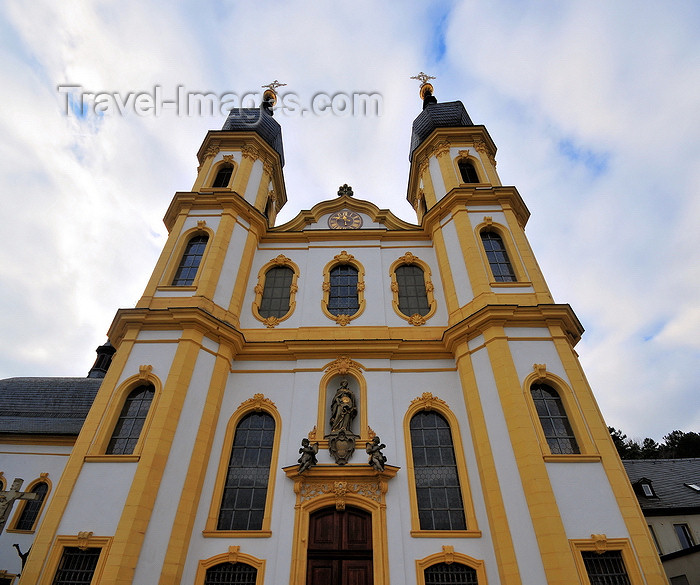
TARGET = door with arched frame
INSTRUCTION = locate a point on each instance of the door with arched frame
(340, 547)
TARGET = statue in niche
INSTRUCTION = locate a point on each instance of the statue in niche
(308, 455)
(343, 409)
(341, 439)
(376, 457)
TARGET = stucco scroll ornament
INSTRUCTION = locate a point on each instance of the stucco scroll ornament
(271, 322)
(600, 542)
(427, 401)
(343, 364)
(340, 488)
(145, 371)
(233, 554)
(258, 401)
(540, 370)
(449, 551)
(84, 540)
(343, 257)
(416, 319)
(408, 258)
(228, 158)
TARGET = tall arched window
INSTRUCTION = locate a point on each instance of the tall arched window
(498, 257)
(245, 490)
(413, 297)
(276, 292)
(438, 492)
(131, 419)
(467, 171)
(342, 296)
(555, 424)
(453, 573)
(231, 574)
(30, 512)
(189, 264)
(223, 176)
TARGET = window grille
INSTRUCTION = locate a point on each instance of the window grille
(30, 512)
(76, 566)
(454, 574)
(228, 574)
(607, 568)
(498, 257)
(245, 491)
(276, 293)
(189, 264)
(223, 176)
(342, 297)
(438, 491)
(413, 297)
(555, 424)
(131, 419)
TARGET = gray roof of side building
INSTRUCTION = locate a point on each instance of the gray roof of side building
(45, 406)
(668, 479)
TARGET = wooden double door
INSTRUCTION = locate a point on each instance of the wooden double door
(340, 547)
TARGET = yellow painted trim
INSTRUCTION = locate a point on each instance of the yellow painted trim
(428, 402)
(521, 275)
(245, 266)
(343, 259)
(214, 170)
(212, 263)
(449, 556)
(83, 539)
(572, 410)
(43, 478)
(639, 534)
(258, 403)
(240, 180)
(281, 260)
(335, 372)
(598, 542)
(114, 409)
(323, 486)
(572, 458)
(409, 259)
(448, 285)
(539, 494)
(232, 556)
(179, 250)
(472, 250)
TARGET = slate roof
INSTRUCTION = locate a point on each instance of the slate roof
(255, 120)
(45, 406)
(668, 478)
(440, 115)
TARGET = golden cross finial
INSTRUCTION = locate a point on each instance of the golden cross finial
(423, 77)
(274, 85)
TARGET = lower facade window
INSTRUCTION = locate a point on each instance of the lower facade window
(230, 574)
(454, 574)
(77, 566)
(606, 568)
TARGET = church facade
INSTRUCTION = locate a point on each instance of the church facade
(347, 398)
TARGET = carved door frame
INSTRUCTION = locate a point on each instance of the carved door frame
(333, 485)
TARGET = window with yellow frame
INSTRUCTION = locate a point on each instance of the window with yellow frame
(449, 566)
(84, 550)
(343, 289)
(231, 567)
(610, 560)
(275, 291)
(28, 512)
(412, 289)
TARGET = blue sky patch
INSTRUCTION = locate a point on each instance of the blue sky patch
(595, 162)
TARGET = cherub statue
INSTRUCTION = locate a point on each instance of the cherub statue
(308, 455)
(376, 457)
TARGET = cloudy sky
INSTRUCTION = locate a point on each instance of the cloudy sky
(594, 106)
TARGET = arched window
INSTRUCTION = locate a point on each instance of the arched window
(453, 573)
(230, 574)
(189, 264)
(223, 176)
(467, 171)
(130, 423)
(30, 512)
(413, 297)
(438, 492)
(342, 296)
(555, 424)
(276, 292)
(498, 257)
(245, 489)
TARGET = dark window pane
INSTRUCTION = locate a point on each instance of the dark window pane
(606, 568)
(438, 492)
(76, 566)
(128, 428)
(229, 574)
(454, 573)
(31, 509)
(223, 176)
(412, 295)
(555, 424)
(342, 297)
(498, 257)
(276, 293)
(189, 264)
(245, 491)
(468, 172)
